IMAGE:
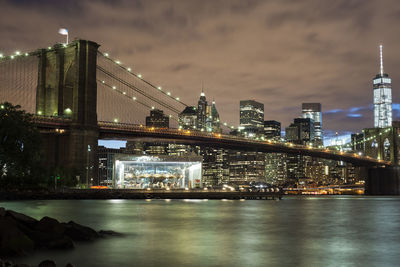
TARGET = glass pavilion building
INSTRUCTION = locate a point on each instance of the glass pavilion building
(140, 172)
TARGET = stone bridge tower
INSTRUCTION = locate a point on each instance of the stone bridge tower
(67, 88)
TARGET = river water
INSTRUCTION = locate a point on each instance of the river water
(295, 231)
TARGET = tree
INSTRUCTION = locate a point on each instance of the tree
(20, 149)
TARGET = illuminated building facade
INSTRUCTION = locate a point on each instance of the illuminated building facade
(188, 118)
(164, 172)
(251, 117)
(212, 121)
(275, 168)
(246, 167)
(313, 111)
(382, 85)
(301, 131)
(202, 112)
(272, 130)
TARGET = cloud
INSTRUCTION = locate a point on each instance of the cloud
(278, 52)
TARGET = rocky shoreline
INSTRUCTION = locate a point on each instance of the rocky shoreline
(21, 234)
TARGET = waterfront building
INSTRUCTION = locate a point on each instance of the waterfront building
(215, 166)
(188, 118)
(106, 156)
(246, 167)
(275, 168)
(382, 85)
(301, 131)
(313, 111)
(162, 171)
(157, 119)
(272, 130)
(251, 117)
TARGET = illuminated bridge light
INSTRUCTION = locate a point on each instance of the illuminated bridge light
(118, 62)
(116, 120)
(134, 98)
(129, 69)
(12, 57)
(177, 98)
(26, 54)
(17, 53)
(159, 88)
(1, 56)
(124, 93)
(139, 75)
(168, 93)
(114, 87)
(105, 54)
(103, 81)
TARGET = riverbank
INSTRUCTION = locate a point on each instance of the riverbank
(21, 234)
(135, 194)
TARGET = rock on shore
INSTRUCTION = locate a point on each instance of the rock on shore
(20, 234)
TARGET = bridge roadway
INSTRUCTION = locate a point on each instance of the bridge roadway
(120, 131)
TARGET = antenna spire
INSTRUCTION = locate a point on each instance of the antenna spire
(381, 59)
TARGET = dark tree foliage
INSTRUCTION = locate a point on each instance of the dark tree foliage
(20, 149)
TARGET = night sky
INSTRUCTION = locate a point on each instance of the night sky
(280, 53)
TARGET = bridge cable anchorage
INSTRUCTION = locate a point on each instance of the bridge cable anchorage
(133, 87)
(130, 97)
(105, 55)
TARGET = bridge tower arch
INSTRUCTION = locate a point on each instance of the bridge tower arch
(67, 88)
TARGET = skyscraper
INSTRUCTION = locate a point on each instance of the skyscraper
(202, 112)
(313, 111)
(382, 85)
(251, 116)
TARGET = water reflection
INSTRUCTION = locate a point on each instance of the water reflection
(310, 231)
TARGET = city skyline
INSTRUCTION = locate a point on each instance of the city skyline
(270, 68)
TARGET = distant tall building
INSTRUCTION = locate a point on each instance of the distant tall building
(272, 129)
(382, 85)
(202, 112)
(251, 116)
(301, 131)
(188, 118)
(313, 111)
(215, 122)
(157, 119)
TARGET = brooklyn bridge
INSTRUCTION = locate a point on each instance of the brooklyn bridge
(80, 95)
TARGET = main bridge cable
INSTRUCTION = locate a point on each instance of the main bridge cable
(132, 98)
(138, 76)
(133, 87)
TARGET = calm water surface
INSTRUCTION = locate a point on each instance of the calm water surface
(307, 231)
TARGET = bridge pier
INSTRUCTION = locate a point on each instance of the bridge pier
(383, 181)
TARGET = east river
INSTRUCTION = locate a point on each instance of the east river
(295, 231)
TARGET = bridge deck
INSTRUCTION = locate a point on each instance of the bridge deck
(110, 130)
